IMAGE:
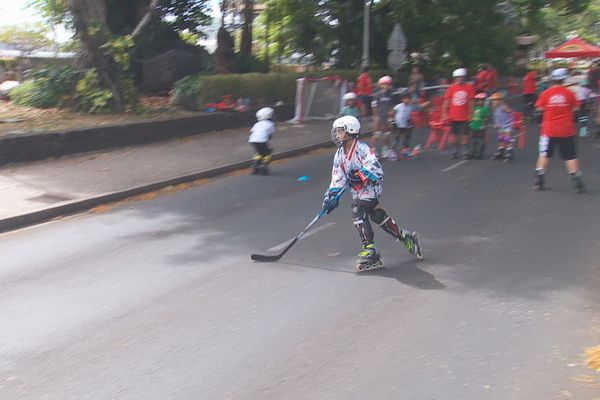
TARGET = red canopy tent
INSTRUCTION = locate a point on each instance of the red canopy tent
(574, 48)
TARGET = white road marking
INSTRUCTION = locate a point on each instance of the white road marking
(458, 164)
(310, 233)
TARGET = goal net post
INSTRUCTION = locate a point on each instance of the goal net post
(318, 98)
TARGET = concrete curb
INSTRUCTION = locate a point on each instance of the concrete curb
(22, 148)
(72, 207)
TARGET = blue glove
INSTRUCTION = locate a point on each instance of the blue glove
(330, 202)
(354, 179)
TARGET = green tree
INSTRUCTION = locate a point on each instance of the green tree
(110, 32)
(26, 38)
(532, 12)
(556, 26)
(441, 31)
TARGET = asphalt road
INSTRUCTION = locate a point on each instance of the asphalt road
(159, 299)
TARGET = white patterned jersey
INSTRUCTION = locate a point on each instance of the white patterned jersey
(360, 157)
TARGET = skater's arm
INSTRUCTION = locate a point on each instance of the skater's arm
(271, 130)
(371, 167)
(338, 176)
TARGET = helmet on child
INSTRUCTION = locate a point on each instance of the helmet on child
(348, 124)
(480, 96)
(385, 80)
(349, 96)
(559, 74)
(497, 96)
(264, 114)
(459, 72)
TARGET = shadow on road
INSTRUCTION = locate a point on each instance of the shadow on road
(409, 274)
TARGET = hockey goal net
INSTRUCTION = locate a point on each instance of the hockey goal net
(318, 98)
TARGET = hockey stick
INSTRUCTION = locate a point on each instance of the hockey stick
(269, 258)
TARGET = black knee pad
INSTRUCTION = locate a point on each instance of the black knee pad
(359, 212)
(379, 216)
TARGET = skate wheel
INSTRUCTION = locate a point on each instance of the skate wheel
(369, 267)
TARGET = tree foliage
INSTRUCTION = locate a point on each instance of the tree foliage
(440, 31)
(123, 15)
(25, 38)
(110, 36)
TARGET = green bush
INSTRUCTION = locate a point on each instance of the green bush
(90, 96)
(260, 88)
(24, 94)
(263, 88)
(9, 64)
(51, 86)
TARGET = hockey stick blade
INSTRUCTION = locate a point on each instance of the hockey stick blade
(264, 258)
(268, 258)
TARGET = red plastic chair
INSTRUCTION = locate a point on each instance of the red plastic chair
(418, 118)
(439, 131)
(520, 126)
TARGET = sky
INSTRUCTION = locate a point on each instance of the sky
(16, 12)
(13, 12)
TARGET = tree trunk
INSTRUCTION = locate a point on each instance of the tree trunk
(225, 53)
(246, 43)
(91, 28)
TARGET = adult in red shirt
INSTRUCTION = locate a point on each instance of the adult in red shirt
(482, 79)
(558, 105)
(457, 108)
(529, 91)
(364, 90)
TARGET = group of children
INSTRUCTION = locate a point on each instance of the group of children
(503, 119)
(393, 124)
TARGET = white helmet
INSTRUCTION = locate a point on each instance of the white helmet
(264, 114)
(559, 74)
(348, 124)
(459, 72)
(385, 80)
(349, 96)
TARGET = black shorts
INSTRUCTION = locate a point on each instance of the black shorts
(566, 146)
(460, 127)
(262, 148)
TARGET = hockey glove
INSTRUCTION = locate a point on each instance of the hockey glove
(355, 179)
(330, 202)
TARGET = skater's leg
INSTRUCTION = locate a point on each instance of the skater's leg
(508, 147)
(546, 151)
(410, 240)
(375, 140)
(482, 148)
(265, 157)
(256, 164)
(499, 149)
(456, 137)
(369, 257)
(407, 137)
(360, 217)
(569, 154)
(478, 144)
(509, 153)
